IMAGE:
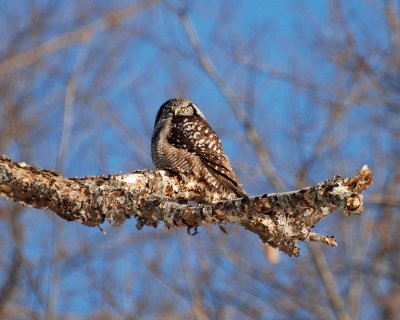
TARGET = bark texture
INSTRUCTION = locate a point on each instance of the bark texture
(152, 196)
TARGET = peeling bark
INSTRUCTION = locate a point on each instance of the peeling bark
(152, 196)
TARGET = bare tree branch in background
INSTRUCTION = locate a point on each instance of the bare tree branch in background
(79, 35)
(234, 102)
(9, 285)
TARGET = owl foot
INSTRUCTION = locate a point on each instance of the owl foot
(192, 233)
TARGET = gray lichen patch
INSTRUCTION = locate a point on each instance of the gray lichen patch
(178, 200)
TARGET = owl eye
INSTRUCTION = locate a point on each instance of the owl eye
(168, 109)
(184, 109)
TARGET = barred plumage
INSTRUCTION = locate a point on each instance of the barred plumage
(184, 142)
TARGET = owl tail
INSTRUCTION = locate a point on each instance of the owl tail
(239, 192)
(230, 185)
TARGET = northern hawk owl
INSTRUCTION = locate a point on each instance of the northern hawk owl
(184, 142)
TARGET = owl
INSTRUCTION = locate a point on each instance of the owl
(184, 142)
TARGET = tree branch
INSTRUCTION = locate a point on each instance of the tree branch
(152, 196)
(80, 34)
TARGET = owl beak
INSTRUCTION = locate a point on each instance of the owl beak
(176, 111)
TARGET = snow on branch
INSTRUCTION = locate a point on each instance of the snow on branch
(154, 196)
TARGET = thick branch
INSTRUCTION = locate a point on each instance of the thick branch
(152, 196)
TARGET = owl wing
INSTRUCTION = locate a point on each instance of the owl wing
(195, 135)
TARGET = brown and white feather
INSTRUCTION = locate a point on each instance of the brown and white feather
(187, 144)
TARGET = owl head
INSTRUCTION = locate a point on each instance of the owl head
(177, 107)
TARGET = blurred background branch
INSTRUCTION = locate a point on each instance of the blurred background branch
(81, 34)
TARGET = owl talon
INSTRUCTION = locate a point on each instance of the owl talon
(222, 228)
(190, 233)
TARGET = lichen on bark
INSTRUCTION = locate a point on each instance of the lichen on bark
(154, 196)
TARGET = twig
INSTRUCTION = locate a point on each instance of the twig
(209, 68)
(110, 19)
